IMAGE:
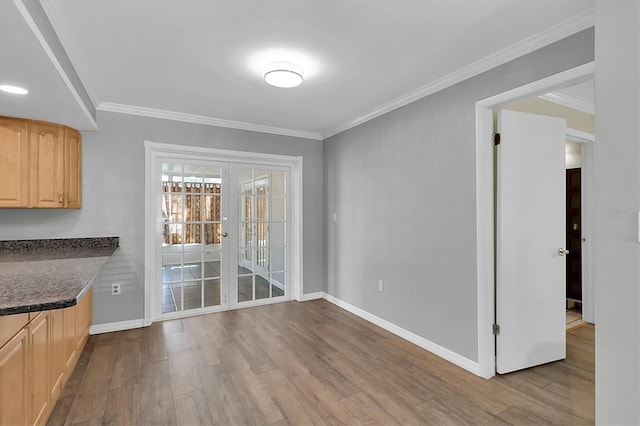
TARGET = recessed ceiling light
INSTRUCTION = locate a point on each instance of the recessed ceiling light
(13, 89)
(283, 74)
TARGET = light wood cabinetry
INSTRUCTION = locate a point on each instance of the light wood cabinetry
(14, 162)
(40, 165)
(73, 168)
(39, 347)
(38, 352)
(14, 379)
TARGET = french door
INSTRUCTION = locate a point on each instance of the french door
(224, 236)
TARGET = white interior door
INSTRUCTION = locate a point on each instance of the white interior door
(530, 227)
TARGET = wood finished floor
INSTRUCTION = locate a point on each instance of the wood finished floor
(308, 363)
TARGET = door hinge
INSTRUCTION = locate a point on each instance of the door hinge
(496, 329)
(496, 139)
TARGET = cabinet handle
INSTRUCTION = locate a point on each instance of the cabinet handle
(60, 198)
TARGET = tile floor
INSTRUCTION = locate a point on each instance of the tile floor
(192, 290)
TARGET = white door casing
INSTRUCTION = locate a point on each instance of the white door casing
(530, 232)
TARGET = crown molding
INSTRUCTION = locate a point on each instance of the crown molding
(199, 119)
(569, 102)
(68, 41)
(544, 38)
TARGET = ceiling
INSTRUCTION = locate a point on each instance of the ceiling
(203, 61)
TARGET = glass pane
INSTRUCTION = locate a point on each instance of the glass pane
(212, 292)
(212, 175)
(245, 234)
(245, 181)
(245, 288)
(262, 258)
(212, 269)
(245, 209)
(191, 270)
(245, 261)
(277, 208)
(261, 182)
(171, 267)
(262, 208)
(277, 287)
(261, 234)
(277, 183)
(192, 170)
(193, 208)
(193, 236)
(211, 233)
(192, 294)
(171, 297)
(173, 206)
(211, 208)
(276, 233)
(277, 284)
(245, 258)
(277, 259)
(173, 234)
(262, 288)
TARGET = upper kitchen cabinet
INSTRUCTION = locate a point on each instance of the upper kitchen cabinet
(14, 162)
(40, 165)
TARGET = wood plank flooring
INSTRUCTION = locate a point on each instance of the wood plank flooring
(308, 363)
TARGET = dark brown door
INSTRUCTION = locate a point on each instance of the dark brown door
(574, 235)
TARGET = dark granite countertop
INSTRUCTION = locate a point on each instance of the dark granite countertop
(40, 275)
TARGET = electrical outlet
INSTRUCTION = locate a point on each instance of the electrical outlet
(380, 285)
(115, 289)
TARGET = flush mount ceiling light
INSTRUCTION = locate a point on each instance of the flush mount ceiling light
(283, 74)
(13, 89)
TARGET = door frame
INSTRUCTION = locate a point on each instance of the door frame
(485, 257)
(153, 216)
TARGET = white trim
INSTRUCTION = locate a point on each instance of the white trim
(569, 102)
(117, 326)
(434, 348)
(485, 195)
(544, 38)
(200, 119)
(578, 136)
(54, 61)
(154, 150)
(313, 296)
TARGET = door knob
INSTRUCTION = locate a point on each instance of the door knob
(224, 234)
(563, 251)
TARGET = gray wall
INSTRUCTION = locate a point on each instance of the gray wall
(113, 204)
(403, 187)
(617, 252)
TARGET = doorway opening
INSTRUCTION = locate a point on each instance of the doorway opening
(485, 196)
(223, 230)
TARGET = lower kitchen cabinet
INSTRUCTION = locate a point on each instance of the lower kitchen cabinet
(14, 380)
(36, 361)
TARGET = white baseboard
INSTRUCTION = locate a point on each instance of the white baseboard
(434, 348)
(313, 296)
(116, 326)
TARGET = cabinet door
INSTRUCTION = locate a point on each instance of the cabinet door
(56, 353)
(70, 337)
(39, 367)
(46, 179)
(73, 169)
(14, 163)
(14, 379)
